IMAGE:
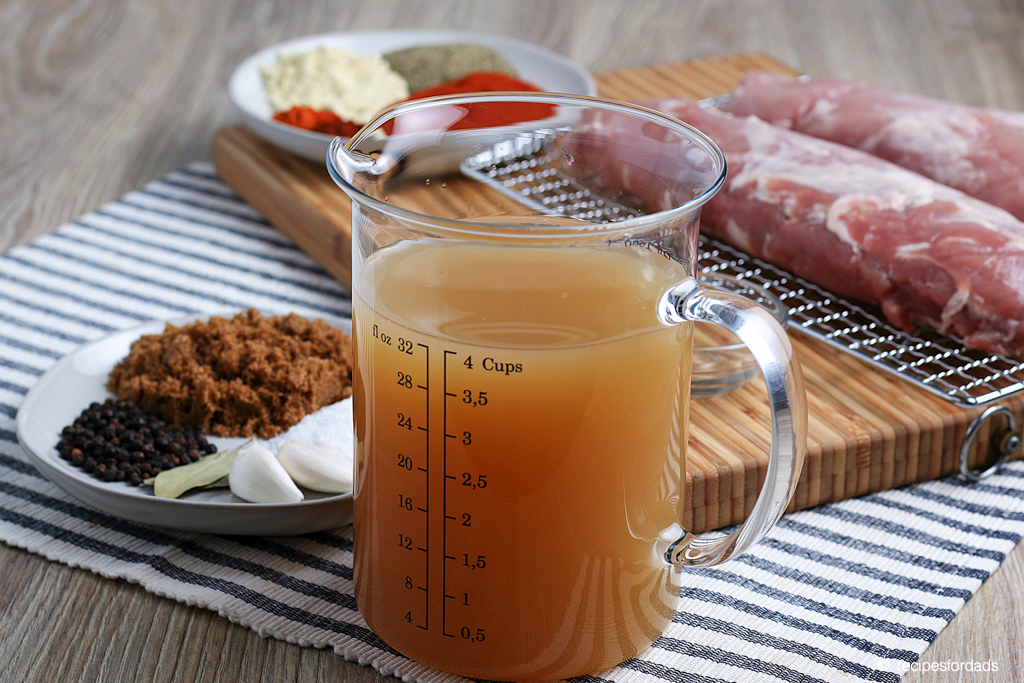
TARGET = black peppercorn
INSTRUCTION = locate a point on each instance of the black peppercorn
(115, 441)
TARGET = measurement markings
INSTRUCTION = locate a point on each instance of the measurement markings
(426, 470)
(445, 630)
(444, 496)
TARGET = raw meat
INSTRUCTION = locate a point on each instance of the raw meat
(855, 224)
(978, 151)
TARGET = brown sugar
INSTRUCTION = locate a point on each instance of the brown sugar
(245, 376)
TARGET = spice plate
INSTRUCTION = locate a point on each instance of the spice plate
(546, 69)
(80, 378)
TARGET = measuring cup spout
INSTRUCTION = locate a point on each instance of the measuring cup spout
(351, 169)
(345, 164)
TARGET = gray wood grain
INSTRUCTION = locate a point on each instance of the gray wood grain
(98, 97)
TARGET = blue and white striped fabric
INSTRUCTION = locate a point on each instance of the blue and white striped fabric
(849, 591)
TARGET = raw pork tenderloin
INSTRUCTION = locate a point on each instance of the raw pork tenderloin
(978, 151)
(851, 222)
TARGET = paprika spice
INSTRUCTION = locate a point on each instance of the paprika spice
(487, 114)
(321, 121)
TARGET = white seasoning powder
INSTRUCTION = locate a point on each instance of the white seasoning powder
(355, 87)
(329, 428)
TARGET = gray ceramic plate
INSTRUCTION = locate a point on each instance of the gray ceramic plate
(544, 68)
(80, 378)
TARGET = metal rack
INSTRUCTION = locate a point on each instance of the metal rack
(938, 363)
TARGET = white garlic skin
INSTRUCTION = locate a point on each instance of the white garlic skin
(257, 476)
(316, 468)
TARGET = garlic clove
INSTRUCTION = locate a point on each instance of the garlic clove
(316, 468)
(257, 476)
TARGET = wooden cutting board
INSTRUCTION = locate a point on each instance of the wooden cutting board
(867, 430)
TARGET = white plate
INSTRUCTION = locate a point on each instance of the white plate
(546, 69)
(80, 378)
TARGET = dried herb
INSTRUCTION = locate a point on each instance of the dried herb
(204, 473)
(424, 66)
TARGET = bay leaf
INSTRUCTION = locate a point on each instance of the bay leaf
(204, 472)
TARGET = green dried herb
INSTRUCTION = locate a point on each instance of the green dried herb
(204, 473)
(424, 66)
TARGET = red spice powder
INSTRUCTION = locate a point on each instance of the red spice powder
(488, 114)
(320, 121)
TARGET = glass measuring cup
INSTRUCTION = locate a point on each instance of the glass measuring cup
(523, 301)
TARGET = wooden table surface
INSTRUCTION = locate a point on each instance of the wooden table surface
(98, 97)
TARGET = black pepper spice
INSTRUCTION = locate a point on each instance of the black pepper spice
(116, 441)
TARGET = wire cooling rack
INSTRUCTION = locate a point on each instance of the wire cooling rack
(940, 364)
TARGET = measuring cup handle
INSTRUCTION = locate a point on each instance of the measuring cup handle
(770, 345)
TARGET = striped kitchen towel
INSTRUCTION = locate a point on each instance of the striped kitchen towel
(850, 591)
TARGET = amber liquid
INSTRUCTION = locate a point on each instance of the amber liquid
(520, 425)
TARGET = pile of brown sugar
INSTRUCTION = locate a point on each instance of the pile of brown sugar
(244, 376)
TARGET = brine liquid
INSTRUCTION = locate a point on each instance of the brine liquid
(520, 421)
